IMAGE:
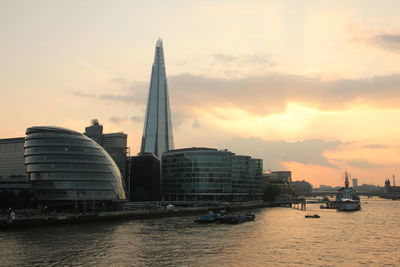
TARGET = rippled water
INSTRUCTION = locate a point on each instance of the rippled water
(278, 237)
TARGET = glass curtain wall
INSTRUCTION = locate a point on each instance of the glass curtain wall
(68, 168)
(210, 174)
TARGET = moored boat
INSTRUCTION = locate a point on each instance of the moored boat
(207, 218)
(235, 219)
(347, 199)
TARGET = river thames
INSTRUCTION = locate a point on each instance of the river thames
(278, 237)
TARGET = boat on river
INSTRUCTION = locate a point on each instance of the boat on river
(207, 218)
(312, 216)
(347, 199)
(222, 217)
(236, 219)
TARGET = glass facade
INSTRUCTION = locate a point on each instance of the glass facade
(114, 143)
(209, 174)
(12, 168)
(157, 132)
(68, 167)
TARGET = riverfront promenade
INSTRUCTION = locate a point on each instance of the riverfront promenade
(31, 219)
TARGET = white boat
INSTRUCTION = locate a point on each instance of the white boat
(347, 199)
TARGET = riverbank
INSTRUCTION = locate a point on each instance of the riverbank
(60, 219)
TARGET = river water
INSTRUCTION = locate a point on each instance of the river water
(278, 237)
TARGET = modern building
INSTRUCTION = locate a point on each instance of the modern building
(144, 177)
(157, 133)
(67, 168)
(13, 175)
(95, 131)
(355, 182)
(209, 174)
(115, 144)
(246, 177)
(283, 179)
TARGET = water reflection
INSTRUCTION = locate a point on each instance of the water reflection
(278, 237)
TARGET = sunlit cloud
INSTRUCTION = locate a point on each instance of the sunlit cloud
(276, 152)
(269, 94)
(362, 164)
(137, 119)
(254, 59)
(389, 42)
(375, 146)
(118, 119)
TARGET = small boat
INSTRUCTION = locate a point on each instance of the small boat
(235, 219)
(312, 216)
(221, 217)
(207, 218)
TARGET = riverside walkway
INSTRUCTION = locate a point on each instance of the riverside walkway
(23, 219)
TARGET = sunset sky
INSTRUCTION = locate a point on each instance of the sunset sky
(308, 86)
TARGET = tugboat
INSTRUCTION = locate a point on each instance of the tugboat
(347, 199)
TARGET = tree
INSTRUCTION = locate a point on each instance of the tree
(271, 192)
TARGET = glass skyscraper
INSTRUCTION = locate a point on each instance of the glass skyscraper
(157, 133)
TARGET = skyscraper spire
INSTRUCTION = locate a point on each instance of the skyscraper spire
(157, 133)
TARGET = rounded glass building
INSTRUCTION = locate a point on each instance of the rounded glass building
(68, 168)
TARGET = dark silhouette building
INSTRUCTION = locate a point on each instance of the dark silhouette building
(144, 177)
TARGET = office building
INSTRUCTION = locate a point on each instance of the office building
(283, 179)
(210, 174)
(67, 168)
(115, 144)
(144, 177)
(246, 176)
(355, 182)
(13, 175)
(157, 132)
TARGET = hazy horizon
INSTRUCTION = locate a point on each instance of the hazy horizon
(308, 86)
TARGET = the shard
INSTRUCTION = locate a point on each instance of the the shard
(157, 133)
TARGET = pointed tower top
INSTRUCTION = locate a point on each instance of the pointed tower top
(159, 43)
(346, 182)
(157, 131)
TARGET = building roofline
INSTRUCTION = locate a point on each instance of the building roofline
(35, 129)
(12, 140)
(191, 149)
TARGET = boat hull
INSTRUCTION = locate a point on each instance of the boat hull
(348, 206)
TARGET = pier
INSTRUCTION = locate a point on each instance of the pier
(300, 203)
